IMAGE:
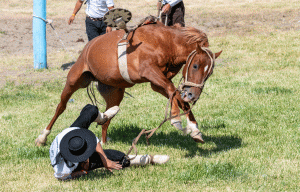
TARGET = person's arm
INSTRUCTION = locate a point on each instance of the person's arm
(110, 5)
(77, 174)
(76, 9)
(167, 7)
(84, 170)
(109, 29)
(108, 164)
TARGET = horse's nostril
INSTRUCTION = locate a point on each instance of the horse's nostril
(190, 95)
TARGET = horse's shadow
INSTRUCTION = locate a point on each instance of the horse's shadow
(67, 66)
(176, 140)
(173, 139)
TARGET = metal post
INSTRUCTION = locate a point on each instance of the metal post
(39, 34)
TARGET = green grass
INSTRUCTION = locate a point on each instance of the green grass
(249, 118)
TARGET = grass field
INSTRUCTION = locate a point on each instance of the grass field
(249, 115)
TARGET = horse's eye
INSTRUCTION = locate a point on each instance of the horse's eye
(195, 66)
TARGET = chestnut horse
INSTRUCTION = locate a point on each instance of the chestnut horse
(155, 54)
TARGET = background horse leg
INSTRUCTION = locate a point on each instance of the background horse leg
(113, 97)
(75, 80)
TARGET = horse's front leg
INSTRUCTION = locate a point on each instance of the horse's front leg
(161, 84)
(165, 86)
(176, 121)
(192, 126)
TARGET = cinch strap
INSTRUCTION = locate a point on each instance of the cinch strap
(122, 60)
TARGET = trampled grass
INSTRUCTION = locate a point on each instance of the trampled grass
(249, 117)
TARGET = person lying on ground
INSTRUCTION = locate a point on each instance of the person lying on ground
(76, 150)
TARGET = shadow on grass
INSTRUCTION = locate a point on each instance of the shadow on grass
(67, 66)
(102, 173)
(175, 140)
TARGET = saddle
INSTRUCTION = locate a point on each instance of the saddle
(118, 18)
(147, 20)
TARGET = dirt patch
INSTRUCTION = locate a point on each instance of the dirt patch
(16, 35)
(248, 23)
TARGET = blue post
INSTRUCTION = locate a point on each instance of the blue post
(39, 34)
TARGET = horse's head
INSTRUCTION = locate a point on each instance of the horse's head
(198, 68)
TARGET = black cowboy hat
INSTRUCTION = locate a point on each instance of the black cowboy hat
(78, 145)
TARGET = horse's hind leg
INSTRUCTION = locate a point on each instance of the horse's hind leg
(113, 97)
(65, 96)
(75, 80)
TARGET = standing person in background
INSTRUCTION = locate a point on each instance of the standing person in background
(95, 11)
(173, 11)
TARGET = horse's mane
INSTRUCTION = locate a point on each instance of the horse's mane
(195, 36)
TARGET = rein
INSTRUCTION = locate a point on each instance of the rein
(149, 133)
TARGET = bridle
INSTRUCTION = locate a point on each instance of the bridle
(189, 61)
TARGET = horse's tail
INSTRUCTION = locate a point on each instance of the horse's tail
(91, 93)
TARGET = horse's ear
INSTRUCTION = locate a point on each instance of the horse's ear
(218, 54)
(198, 48)
(200, 45)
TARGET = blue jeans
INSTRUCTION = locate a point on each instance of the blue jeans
(175, 15)
(94, 28)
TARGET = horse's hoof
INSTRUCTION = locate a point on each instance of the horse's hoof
(197, 137)
(186, 131)
(107, 140)
(38, 143)
(178, 125)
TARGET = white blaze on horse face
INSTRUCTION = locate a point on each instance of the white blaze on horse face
(206, 67)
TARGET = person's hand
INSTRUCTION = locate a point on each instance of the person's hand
(108, 29)
(166, 8)
(77, 174)
(158, 5)
(110, 165)
(71, 19)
